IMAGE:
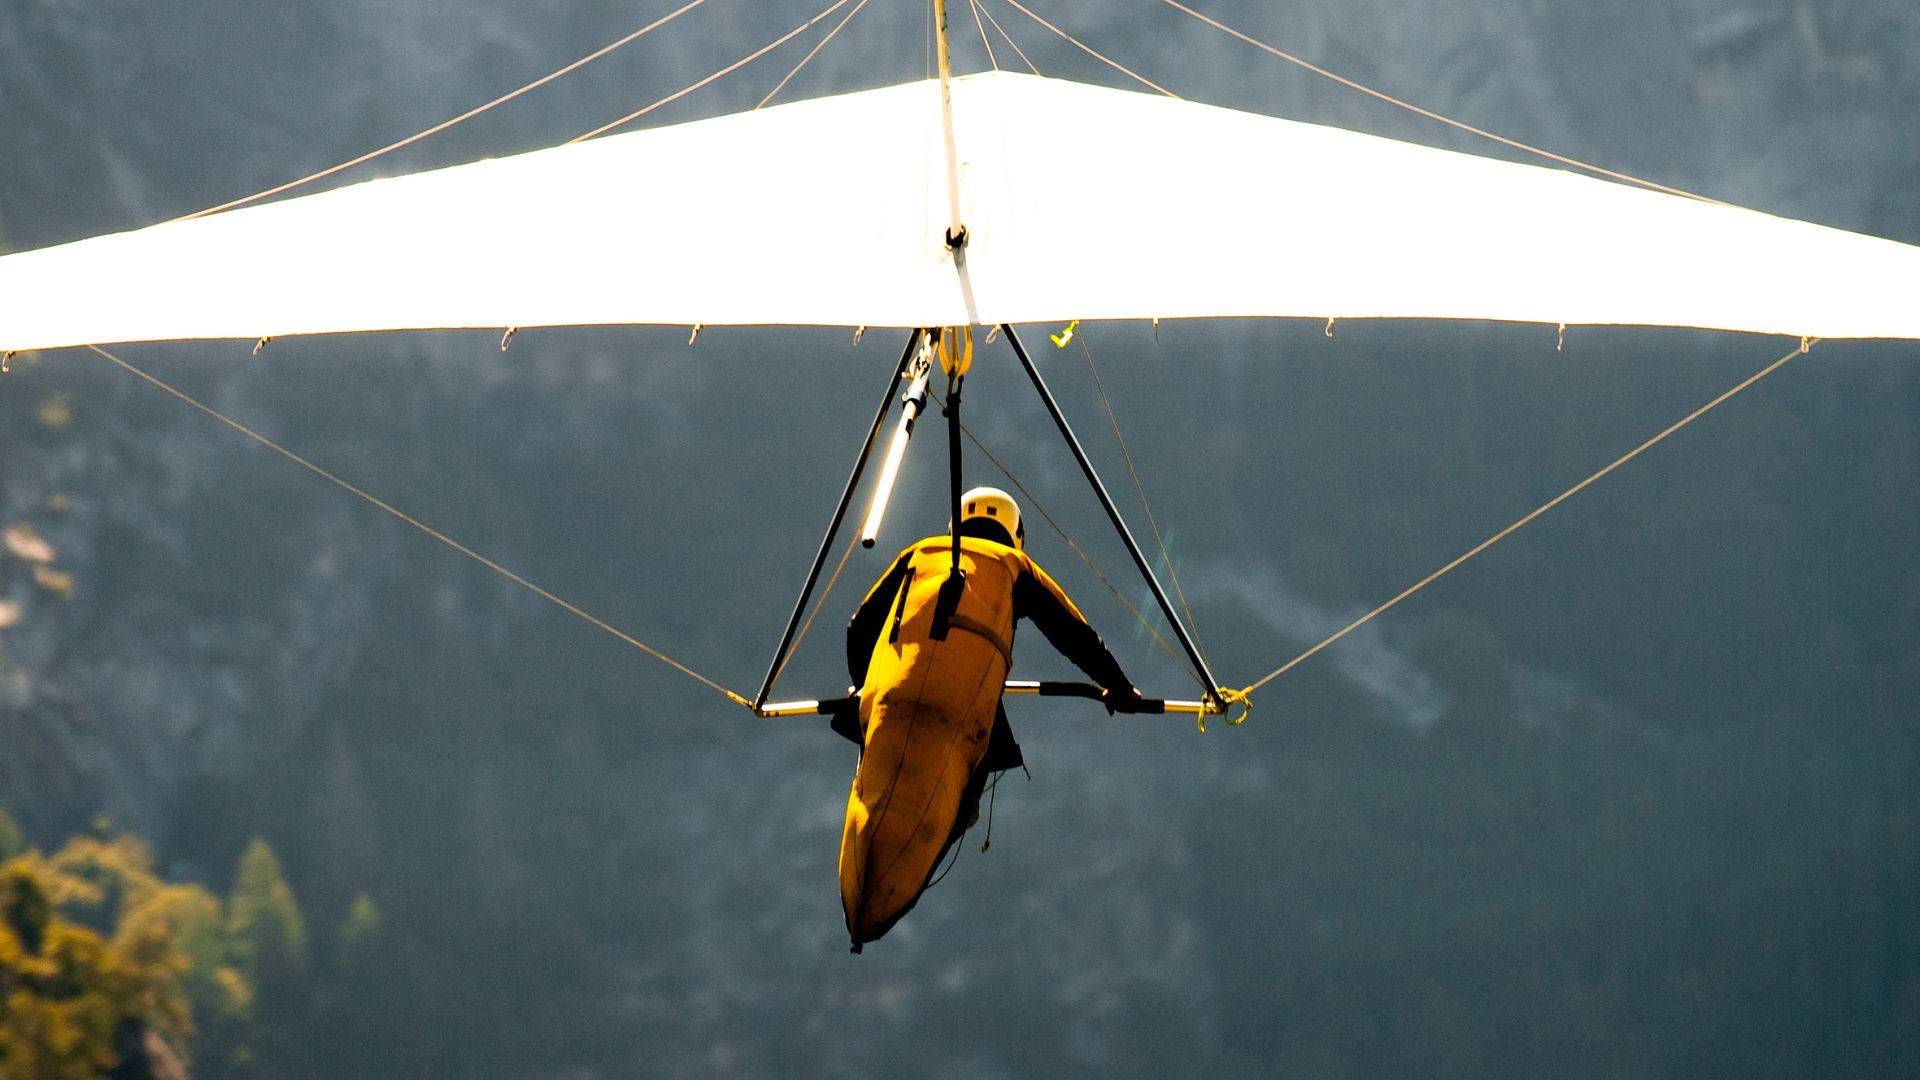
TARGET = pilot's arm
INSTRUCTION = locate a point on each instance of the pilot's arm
(1038, 597)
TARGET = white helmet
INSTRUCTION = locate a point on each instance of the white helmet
(996, 506)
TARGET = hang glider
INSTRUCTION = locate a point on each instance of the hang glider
(1079, 201)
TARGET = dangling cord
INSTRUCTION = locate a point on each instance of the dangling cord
(992, 789)
(951, 859)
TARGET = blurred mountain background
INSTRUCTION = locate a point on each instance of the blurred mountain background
(1630, 795)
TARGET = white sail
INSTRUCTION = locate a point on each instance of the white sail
(1080, 202)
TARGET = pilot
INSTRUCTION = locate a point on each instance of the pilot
(930, 659)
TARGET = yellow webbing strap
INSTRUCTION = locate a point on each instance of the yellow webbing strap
(954, 346)
(958, 621)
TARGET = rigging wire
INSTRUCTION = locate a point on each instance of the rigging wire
(463, 117)
(456, 545)
(1806, 344)
(974, 6)
(815, 51)
(729, 69)
(1085, 48)
(1008, 38)
(978, 13)
(1073, 545)
(846, 554)
(852, 542)
(1166, 558)
(1431, 115)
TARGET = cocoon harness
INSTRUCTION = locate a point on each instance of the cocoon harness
(928, 710)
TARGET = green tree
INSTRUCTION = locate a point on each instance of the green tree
(267, 946)
(359, 1011)
(264, 924)
(116, 872)
(11, 841)
(192, 918)
(71, 995)
(360, 932)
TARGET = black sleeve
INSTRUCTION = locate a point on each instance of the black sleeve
(864, 628)
(1066, 631)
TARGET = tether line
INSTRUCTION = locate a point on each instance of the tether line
(445, 124)
(728, 70)
(1805, 345)
(1431, 115)
(984, 40)
(811, 53)
(1008, 38)
(456, 545)
(1090, 51)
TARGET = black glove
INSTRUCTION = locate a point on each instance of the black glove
(844, 718)
(1121, 701)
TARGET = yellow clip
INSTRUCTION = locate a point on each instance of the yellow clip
(955, 360)
(1228, 699)
(1242, 698)
(1060, 339)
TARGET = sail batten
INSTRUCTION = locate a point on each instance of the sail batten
(1080, 202)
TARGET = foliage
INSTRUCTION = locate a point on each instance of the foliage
(360, 934)
(264, 924)
(84, 959)
(12, 842)
(99, 957)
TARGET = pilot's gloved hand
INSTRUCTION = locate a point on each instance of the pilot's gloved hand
(1121, 701)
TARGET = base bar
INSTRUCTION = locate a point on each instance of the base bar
(797, 708)
(1150, 706)
(1153, 706)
